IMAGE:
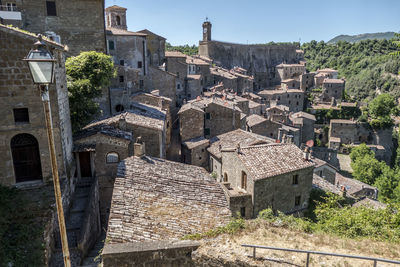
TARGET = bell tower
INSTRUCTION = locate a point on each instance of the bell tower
(206, 31)
(116, 17)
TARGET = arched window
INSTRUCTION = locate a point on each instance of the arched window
(118, 20)
(225, 177)
(112, 157)
(119, 108)
(26, 158)
(244, 180)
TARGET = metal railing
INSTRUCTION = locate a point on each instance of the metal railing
(308, 252)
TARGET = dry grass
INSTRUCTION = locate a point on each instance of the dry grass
(257, 232)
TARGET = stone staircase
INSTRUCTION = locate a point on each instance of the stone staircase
(73, 221)
(93, 259)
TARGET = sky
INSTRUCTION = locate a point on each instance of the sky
(260, 21)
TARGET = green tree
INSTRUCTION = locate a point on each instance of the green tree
(383, 105)
(87, 74)
(386, 183)
(360, 151)
(367, 169)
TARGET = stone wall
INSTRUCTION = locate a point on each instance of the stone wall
(79, 23)
(279, 192)
(131, 49)
(150, 253)
(91, 226)
(106, 172)
(266, 128)
(191, 124)
(18, 91)
(259, 60)
(307, 81)
(222, 119)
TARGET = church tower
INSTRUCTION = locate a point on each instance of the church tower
(116, 17)
(206, 31)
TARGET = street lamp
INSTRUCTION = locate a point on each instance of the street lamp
(41, 65)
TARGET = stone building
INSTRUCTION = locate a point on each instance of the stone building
(155, 48)
(332, 88)
(98, 148)
(53, 19)
(208, 117)
(23, 137)
(230, 139)
(329, 73)
(290, 71)
(275, 175)
(290, 84)
(260, 60)
(145, 121)
(278, 113)
(307, 81)
(155, 203)
(305, 122)
(292, 98)
(263, 126)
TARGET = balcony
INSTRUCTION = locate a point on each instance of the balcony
(10, 12)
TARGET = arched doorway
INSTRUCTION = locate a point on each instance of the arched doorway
(26, 158)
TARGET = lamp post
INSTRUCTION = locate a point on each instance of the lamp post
(41, 65)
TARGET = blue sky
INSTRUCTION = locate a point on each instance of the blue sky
(261, 21)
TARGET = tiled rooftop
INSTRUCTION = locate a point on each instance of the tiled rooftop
(343, 121)
(195, 61)
(302, 114)
(222, 72)
(102, 127)
(155, 199)
(195, 142)
(321, 183)
(269, 160)
(352, 185)
(327, 70)
(272, 92)
(174, 54)
(138, 114)
(333, 81)
(231, 139)
(255, 119)
(115, 31)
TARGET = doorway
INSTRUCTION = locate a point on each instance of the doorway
(85, 165)
(26, 158)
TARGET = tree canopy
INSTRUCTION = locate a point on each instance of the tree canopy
(87, 74)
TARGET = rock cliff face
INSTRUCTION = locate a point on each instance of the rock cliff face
(259, 59)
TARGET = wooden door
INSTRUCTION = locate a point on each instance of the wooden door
(26, 158)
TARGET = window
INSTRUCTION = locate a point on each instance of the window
(21, 115)
(121, 79)
(111, 45)
(208, 116)
(297, 201)
(206, 131)
(141, 84)
(139, 64)
(51, 8)
(243, 212)
(119, 108)
(11, 7)
(118, 20)
(297, 103)
(112, 157)
(225, 177)
(244, 180)
(295, 179)
(122, 62)
(178, 86)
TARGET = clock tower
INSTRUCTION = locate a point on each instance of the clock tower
(206, 31)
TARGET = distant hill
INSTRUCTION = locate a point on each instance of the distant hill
(364, 36)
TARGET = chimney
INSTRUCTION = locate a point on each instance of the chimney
(122, 123)
(238, 148)
(306, 154)
(343, 191)
(139, 148)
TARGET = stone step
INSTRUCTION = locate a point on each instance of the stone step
(79, 204)
(72, 237)
(85, 181)
(57, 259)
(75, 219)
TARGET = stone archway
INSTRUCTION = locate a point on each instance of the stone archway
(26, 158)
